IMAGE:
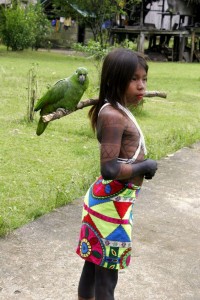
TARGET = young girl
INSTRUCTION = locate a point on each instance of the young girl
(105, 237)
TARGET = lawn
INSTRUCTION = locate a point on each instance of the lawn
(39, 174)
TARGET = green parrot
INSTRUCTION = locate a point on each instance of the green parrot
(65, 93)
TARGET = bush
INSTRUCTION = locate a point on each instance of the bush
(42, 27)
(24, 27)
(17, 32)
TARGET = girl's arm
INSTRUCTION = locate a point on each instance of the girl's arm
(110, 129)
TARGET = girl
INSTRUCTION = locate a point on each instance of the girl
(105, 237)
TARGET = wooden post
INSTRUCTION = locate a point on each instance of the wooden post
(141, 40)
(181, 47)
(142, 14)
(162, 15)
(192, 45)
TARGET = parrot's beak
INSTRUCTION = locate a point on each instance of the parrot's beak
(82, 78)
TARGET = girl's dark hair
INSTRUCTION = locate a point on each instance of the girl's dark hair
(118, 69)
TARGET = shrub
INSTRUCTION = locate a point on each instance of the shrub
(17, 32)
(42, 27)
(24, 27)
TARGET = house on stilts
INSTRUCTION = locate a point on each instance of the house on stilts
(163, 29)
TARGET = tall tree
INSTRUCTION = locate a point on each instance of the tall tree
(92, 13)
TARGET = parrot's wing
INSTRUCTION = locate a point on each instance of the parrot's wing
(54, 94)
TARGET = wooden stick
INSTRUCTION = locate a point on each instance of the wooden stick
(86, 103)
(61, 112)
(149, 94)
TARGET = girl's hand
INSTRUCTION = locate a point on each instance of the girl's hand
(146, 168)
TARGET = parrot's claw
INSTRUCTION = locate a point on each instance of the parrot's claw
(62, 110)
(59, 113)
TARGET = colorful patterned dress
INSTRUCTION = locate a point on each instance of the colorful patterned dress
(107, 218)
(105, 237)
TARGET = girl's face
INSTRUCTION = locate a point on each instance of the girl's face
(136, 88)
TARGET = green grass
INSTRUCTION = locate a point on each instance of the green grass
(39, 174)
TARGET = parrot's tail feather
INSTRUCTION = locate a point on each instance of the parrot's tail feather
(41, 126)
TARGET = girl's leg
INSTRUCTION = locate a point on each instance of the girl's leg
(105, 283)
(81, 298)
(87, 282)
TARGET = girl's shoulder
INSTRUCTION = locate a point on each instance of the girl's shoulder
(111, 113)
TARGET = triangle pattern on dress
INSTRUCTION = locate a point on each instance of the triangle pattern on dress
(122, 208)
(105, 210)
(95, 201)
(103, 227)
(119, 234)
(87, 219)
